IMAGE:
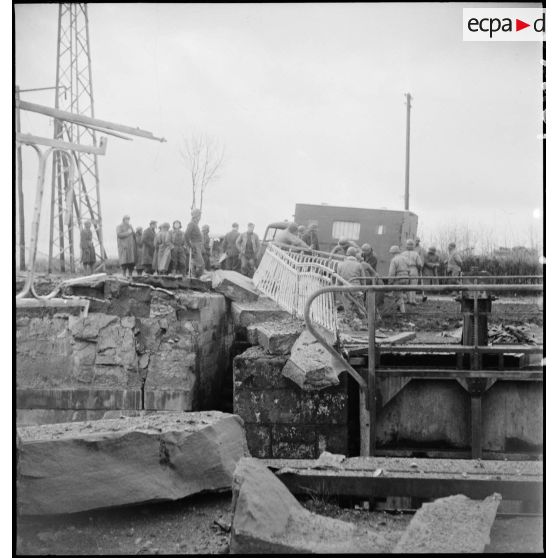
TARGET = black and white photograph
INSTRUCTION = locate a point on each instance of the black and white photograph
(279, 278)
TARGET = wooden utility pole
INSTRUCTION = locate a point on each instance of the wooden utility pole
(407, 149)
(21, 209)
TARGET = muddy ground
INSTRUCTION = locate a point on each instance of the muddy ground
(191, 526)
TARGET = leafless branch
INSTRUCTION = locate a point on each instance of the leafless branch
(203, 157)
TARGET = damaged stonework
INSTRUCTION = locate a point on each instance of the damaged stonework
(268, 519)
(455, 524)
(281, 419)
(310, 365)
(73, 467)
(148, 349)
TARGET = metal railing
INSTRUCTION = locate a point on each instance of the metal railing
(290, 278)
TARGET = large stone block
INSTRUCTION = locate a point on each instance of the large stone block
(263, 310)
(310, 365)
(73, 467)
(455, 524)
(168, 399)
(235, 286)
(78, 399)
(278, 338)
(268, 406)
(254, 369)
(43, 352)
(31, 417)
(267, 519)
(88, 328)
(334, 439)
(258, 438)
(328, 406)
(293, 441)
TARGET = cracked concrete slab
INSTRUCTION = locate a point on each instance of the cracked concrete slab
(73, 467)
(267, 518)
(455, 524)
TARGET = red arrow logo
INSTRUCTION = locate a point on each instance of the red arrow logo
(519, 25)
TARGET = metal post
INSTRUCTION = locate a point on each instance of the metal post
(371, 308)
(407, 149)
(21, 208)
(476, 395)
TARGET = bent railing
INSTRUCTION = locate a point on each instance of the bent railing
(289, 278)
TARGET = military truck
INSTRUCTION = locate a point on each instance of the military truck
(381, 228)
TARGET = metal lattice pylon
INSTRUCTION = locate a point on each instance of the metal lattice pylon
(74, 202)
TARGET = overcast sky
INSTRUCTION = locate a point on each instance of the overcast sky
(308, 100)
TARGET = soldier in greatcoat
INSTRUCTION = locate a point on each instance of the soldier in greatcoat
(163, 249)
(148, 247)
(126, 246)
(139, 255)
(178, 250)
(87, 248)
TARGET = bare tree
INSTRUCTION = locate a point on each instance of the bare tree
(203, 156)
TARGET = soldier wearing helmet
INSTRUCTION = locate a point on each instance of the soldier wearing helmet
(369, 257)
(414, 262)
(311, 236)
(454, 262)
(431, 268)
(342, 245)
(399, 274)
(290, 237)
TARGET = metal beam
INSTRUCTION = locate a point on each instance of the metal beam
(449, 374)
(86, 120)
(366, 486)
(417, 477)
(29, 139)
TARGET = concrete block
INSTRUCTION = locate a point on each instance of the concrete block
(168, 400)
(254, 370)
(78, 399)
(267, 519)
(74, 467)
(30, 417)
(258, 438)
(328, 406)
(268, 406)
(234, 286)
(263, 310)
(334, 439)
(455, 524)
(293, 441)
(310, 366)
(252, 334)
(278, 338)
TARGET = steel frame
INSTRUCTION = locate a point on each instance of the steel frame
(476, 381)
(74, 92)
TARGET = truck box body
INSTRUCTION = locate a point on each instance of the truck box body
(381, 228)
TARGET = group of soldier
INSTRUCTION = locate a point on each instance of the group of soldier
(165, 250)
(410, 266)
(162, 249)
(415, 264)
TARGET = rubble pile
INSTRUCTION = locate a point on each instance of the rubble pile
(510, 334)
